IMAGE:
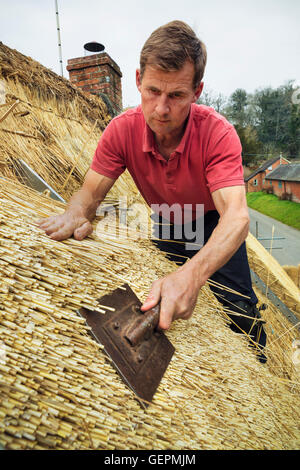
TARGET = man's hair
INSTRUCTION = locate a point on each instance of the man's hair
(170, 46)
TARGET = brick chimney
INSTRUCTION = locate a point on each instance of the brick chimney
(98, 74)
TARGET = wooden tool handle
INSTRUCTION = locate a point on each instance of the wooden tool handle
(146, 323)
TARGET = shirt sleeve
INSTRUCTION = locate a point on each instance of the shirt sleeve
(109, 158)
(224, 159)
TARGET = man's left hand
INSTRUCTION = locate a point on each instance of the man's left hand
(177, 294)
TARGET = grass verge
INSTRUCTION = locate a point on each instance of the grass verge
(287, 212)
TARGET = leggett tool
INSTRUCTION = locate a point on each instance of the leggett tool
(138, 350)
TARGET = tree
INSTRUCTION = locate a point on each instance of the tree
(237, 107)
(278, 125)
(267, 121)
(294, 131)
(215, 100)
(251, 146)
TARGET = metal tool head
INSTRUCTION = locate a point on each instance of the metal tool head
(141, 359)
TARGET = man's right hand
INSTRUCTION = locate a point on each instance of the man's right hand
(61, 227)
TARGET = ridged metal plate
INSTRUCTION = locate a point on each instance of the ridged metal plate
(141, 367)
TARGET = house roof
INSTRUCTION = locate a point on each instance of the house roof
(263, 167)
(64, 392)
(289, 172)
(56, 127)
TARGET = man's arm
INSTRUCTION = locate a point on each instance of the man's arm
(80, 211)
(178, 291)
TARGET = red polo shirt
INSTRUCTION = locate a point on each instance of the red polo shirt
(208, 158)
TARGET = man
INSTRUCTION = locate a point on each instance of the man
(177, 152)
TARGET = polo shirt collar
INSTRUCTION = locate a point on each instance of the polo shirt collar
(149, 141)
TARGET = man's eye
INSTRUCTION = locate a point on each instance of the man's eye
(154, 91)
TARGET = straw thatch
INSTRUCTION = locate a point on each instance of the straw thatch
(273, 275)
(294, 273)
(59, 391)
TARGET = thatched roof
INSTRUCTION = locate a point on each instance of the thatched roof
(273, 275)
(293, 273)
(45, 121)
(57, 388)
(46, 84)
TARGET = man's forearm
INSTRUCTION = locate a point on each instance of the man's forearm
(224, 241)
(80, 210)
(83, 203)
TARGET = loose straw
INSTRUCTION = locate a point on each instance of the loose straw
(4, 116)
(271, 247)
(79, 156)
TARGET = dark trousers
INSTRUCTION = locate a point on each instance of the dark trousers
(235, 274)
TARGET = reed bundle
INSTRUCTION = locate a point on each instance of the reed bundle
(59, 391)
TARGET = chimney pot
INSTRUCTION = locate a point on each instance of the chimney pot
(97, 73)
(94, 47)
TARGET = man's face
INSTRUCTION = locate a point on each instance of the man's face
(166, 98)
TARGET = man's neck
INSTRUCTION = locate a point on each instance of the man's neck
(167, 143)
(165, 147)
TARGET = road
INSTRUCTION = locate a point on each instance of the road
(287, 251)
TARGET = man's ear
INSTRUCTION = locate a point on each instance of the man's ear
(138, 79)
(198, 91)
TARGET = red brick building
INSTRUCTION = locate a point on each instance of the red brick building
(285, 179)
(257, 180)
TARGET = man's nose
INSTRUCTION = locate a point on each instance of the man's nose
(162, 106)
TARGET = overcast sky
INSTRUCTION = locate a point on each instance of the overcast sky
(251, 43)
